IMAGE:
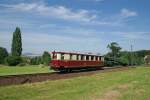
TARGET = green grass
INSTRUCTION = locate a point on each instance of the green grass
(133, 84)
(15, 70)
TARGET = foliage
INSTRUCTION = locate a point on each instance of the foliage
(16, 49)
(46, 58)
(22, 64)
(3, 55)
(109, 61)
(127, 57)
(13, 60)
(36, 60)
(26, 60)
(137, 60)
(131, 58)
(142, 53)
(124, 60)
(115, 49)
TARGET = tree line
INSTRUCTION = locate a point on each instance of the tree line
(16, 58)
(118, 57)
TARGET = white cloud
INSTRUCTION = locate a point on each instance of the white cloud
(133, 35)
(55, 11)
(84, 17)
(127, 13)
(137, 35)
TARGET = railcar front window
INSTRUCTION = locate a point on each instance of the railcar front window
(54, 56)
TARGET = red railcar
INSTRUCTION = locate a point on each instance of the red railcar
(66, 60)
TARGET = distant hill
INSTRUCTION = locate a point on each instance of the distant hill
(142, 53)
(31, 54)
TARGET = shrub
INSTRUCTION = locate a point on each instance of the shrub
(46, 58)
(13, 60)
(26, 60)
(22, 64)
(36, 60)
(3, 54)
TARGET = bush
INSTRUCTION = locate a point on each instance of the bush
(3, 55)
(46, 57)
(13, 60)
(36, 60)
(26, 60)
(22, 64)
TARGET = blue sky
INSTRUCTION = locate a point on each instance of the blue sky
(75, 25)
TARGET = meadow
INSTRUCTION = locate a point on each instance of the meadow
(132, 84)
(28, 69)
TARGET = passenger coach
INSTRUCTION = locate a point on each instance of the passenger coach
(67, 61)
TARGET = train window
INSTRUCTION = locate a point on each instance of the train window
(77, 57)
(74, 57)
(87, 57)
(54, 56)
(99, 58)
(70, 56)
(96, 58)
(62, 56)
(82, 57)
(66, 57)
(92, 57)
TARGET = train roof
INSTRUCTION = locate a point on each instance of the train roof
(76, 53)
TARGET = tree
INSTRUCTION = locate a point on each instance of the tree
(115, 49)
(16, 49)
(36, 60)
(3, 54)
(46, 58)
(125, 58)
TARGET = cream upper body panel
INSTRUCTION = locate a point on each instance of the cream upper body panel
(58, 56)
(63, 56)
(66, 57)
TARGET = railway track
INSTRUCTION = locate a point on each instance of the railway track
(31, 78)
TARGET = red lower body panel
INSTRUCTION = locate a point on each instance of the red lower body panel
(57, 64)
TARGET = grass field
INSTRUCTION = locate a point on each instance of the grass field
(7, 70)
(133, 84)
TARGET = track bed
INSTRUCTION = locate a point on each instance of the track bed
(30, 78)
